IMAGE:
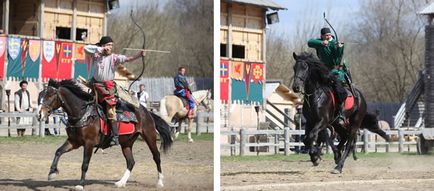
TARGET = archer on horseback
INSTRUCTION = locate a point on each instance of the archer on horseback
(104, 63)
(330, 52)
(183, 90)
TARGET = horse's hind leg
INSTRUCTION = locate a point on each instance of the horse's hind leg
(190, 124)
(66, 147)
(151, 141)
(87, 154)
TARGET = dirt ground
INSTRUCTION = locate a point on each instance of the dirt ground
(186, 167)
(395, 172)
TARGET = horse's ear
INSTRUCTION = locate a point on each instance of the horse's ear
(53, 83)
(294, 55)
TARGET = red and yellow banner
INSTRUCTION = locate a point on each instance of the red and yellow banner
(257, 73)
(224, 80)
(237, 70)
(64, 70)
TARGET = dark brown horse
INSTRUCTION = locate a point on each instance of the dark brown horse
(83, 129)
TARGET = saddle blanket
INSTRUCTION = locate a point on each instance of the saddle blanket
(349, 101)
(125, 128)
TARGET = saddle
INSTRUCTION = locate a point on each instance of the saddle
(184, 101)
(349, 100)
(125, 116)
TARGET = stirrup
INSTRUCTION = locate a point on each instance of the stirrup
(115, 141)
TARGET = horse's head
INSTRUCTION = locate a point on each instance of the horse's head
(50, 102)
(301, 71)
(204, 97)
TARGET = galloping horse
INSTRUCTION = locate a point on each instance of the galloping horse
(313, 79)
(172, 107)
(84, 129)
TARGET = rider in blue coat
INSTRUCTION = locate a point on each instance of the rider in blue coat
(183, 90)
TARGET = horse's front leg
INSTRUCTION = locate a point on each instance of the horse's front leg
(190, 124)
(128, 154)
(66, 147)
(87, 154)
(312, 138)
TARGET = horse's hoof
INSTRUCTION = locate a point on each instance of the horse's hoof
(315, 163)
(79, 187)
(190, 141)
(160, 184)
(120, 184)
(336, 171)
(52, 176)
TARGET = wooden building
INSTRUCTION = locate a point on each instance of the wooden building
(77, 20)
(243, 64)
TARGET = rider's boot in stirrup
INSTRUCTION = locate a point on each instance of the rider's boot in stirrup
(115, 132)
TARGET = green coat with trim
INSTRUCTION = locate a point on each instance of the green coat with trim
(329, 55)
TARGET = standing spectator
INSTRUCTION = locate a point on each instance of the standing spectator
(40, 100)
(22, 103)
(142, 95)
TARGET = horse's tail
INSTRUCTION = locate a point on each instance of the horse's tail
(164, 130)
(370, 122)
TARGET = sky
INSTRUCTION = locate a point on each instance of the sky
(337, 12)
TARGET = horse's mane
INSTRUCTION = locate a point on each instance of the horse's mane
(317, 67)
(71, 86)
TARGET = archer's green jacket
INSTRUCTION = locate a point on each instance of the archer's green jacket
(328, 54)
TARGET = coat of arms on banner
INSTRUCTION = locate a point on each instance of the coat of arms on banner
(14, 47)
(49, 50)
(34, 49)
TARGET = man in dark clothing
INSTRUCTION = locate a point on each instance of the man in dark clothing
(40, 100)
(183, 89)
(331, 53)
(22, 103)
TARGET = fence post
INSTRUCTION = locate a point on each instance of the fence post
(286, 135)
(42, 128)
(198, 122)
(233, 141)
(276, 142)
(401, 140)
(388, 142)
(365, 141)
(242, 141)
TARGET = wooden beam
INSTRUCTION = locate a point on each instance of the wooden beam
(6, 16)
(41, 18)
(74, 20)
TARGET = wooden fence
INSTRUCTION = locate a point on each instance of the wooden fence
(8, 121)
(278, 139)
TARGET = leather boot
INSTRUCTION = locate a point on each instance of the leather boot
(342, 118)
(115, 131)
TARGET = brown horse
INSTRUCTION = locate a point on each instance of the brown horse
(84, 129)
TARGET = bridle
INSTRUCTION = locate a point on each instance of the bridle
(58, 98)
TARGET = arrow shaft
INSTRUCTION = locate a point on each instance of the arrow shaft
(149, 50)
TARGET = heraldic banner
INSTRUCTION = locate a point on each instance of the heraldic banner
(14, 71)
(2, 56)
(82, 62)
(224, 80)
(32, 62)
(49, 60)
(64, 66)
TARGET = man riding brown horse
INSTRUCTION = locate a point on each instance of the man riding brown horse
(104, 63)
